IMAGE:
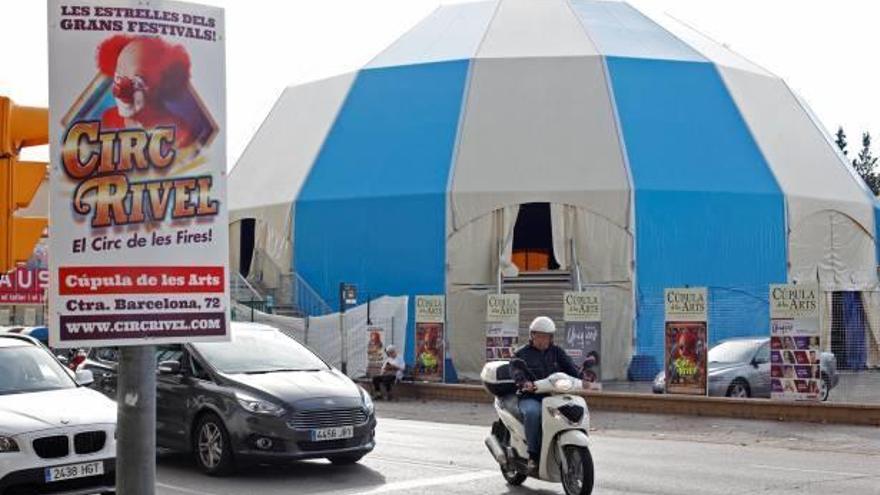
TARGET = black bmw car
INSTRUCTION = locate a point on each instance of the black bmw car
(262, 397)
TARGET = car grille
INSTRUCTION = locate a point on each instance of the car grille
(52, 447)
(329, 418)
(89, 442)
(330, 444)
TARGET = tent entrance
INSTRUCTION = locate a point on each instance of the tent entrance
(533, 239)
(246, 245)
(848, 330)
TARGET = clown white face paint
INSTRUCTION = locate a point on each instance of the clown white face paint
(129, 88)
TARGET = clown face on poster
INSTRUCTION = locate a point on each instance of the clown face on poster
(138, 216)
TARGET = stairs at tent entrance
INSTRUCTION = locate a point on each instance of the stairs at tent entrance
(540, 293)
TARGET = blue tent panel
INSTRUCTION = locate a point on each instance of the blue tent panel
(689, 149)
(619, 30)
(373, 209)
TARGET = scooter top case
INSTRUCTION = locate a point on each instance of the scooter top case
(497, 377)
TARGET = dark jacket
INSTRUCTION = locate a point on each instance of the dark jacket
(544, 364)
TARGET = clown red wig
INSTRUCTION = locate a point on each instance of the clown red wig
(165, 68)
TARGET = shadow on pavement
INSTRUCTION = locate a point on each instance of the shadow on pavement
(319, 474)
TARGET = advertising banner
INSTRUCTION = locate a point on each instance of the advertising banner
(138, 213)
(502, 326)
(375, 349)
(582, 312)
(795, 366)
(24, 286)
(686, 341)
(430, 348)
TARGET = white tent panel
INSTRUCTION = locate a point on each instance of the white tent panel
(466, 316)
(451, 33)
(273, 249)
(277, 161)
(811, 175)
(714, 51)
(538, 130)
(520, 29)
(472, 253)
(603, 249)
(831, 247)
(871, 303)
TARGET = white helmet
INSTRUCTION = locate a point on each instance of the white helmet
(543, 324)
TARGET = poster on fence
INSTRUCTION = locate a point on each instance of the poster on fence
(582, 312)
(430, 348)
(139, 243)
(375, 349)
(795, 369)
(686, 341)
(502, 326)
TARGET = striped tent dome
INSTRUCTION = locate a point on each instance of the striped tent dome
(665, 160)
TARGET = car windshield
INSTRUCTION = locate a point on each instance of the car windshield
(259, 351)
(30, 369)
(734, 351)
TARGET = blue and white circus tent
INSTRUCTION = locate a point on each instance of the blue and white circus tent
(666, 160)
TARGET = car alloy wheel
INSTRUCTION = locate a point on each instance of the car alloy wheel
(738, 389)
(213, 450)
(210, 445)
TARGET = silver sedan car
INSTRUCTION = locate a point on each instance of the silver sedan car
(740, 367)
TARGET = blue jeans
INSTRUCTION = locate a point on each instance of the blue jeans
(531, 409)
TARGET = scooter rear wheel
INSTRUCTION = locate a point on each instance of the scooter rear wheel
(578, 478)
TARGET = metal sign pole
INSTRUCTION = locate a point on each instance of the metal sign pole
(136, 421)
(343, 351)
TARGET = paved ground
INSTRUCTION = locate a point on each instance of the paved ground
(437, 448)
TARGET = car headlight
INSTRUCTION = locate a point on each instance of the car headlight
(258, 406)
(7, 444)
(368, 401)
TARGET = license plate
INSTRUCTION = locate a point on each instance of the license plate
(325, 434)
(72, 471)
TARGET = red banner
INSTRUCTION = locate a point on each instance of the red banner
(96, 280)
(24, 286)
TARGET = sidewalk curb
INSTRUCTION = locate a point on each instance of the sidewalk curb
(759, 409)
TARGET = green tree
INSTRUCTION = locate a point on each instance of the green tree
(865, 163)
(840, 140)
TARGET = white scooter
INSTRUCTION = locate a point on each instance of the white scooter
(565, 419)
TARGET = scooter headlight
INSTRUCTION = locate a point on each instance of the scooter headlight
(563, 385)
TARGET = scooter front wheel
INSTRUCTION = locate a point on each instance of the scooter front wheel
(577, 478)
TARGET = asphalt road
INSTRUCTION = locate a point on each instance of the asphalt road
(631, 457)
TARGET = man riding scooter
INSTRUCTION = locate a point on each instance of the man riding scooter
(542, 358)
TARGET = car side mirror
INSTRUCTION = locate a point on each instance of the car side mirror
(757, 361)
(84, 378)
(170, 367)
